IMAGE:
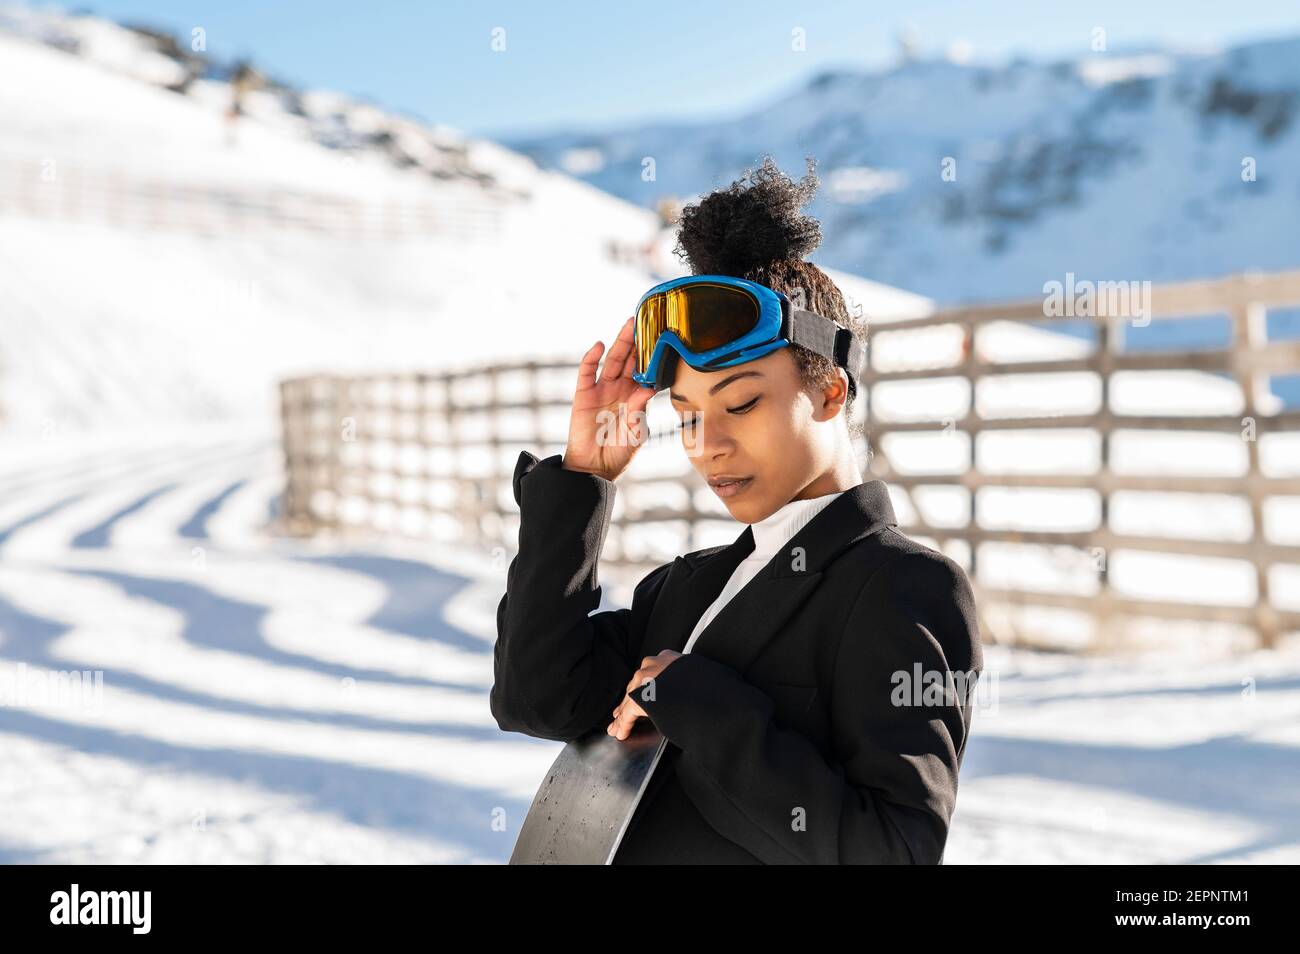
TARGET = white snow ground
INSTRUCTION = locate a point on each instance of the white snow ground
(270, 700)
(262, 700)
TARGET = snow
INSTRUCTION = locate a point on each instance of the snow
(272, 700)
(1101, 70)
(1144, 760)
(268, 700)
(269, 686)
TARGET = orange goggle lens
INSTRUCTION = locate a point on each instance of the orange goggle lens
(704, 316)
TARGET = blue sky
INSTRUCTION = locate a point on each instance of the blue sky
(601, 64)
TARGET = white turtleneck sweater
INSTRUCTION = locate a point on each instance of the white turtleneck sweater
(770, 535)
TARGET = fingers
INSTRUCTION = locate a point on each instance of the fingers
(587, 368)
(639, 678)
(629, 364)
(644, 392)
(625, 717)
(628, 711)
(620, 353)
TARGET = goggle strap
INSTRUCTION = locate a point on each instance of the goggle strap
(819, 334)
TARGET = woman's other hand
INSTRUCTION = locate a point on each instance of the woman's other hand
(607, 426)
(628, 711)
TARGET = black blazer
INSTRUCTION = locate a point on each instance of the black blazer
(786, 740)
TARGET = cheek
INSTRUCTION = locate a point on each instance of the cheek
(764, 439)
(783, 441)
(776, 422)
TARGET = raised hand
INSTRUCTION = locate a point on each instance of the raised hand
(607, 425)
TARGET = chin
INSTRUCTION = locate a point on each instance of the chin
(745, 511)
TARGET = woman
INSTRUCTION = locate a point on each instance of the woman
(813, 678)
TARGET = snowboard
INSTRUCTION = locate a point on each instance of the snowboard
(583, 807)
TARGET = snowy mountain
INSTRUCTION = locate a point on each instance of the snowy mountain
(331, 119)
(963, 181)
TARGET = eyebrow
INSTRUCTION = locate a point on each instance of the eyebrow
(674, 396)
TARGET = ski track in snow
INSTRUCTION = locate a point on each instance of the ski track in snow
(264, 700)
(276, 700)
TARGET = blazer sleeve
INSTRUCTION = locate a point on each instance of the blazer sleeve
(559, 669)
(887, 794)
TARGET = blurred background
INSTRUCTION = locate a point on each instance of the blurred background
(284, 293)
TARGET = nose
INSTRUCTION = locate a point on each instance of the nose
(712, 439)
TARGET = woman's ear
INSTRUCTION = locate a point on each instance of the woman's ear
(835, 395)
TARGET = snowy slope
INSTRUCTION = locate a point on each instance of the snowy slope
(110, 322)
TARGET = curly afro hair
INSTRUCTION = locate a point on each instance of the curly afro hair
(754, 229)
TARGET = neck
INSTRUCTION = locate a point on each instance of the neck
(843, 475)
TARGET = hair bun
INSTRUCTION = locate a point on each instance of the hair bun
(751, 224)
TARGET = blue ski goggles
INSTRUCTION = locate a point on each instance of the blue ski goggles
(717, 321)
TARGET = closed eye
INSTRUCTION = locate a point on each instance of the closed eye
(742, 409)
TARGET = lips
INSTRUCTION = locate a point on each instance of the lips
(729, 486)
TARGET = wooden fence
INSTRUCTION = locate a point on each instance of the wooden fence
(431, 454)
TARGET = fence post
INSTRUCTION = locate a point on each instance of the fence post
(1110, 339)
(1250, 337)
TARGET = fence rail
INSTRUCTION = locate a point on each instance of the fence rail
(432, 453)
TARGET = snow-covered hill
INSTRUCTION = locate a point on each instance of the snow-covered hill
(126, 128)
(154, 269)
(963, 181)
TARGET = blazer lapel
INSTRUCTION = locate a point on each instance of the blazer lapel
(693, 583)
(756, 614)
